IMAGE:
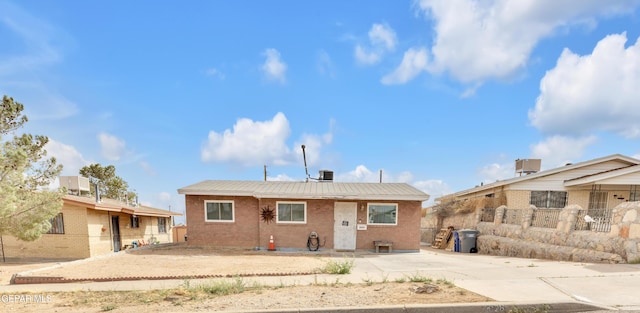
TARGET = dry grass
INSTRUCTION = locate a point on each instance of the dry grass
(220, 296)
(467, 206)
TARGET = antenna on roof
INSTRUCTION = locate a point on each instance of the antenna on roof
(325, 175)
(304, 156)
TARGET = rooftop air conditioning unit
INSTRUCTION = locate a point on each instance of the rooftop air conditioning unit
(527, 166)
(326, 175)
(75, 184)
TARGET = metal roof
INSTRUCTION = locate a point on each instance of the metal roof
(618, 157)
(306, 190)
(117, 206)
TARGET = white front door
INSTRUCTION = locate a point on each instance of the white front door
(344, 226)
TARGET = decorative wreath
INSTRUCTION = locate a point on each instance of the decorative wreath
(267, 214)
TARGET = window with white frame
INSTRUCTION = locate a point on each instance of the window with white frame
(162, 225)
(291, 212)
(382, 213)
(57, 225)
(218, 211)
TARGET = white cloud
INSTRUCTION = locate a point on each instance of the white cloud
(366, 58)
(497, 171)
(213, 72)
(325, 65)
(380, 34)
(165, 197)
(273, 68)
(362, 174)
(479, 40)
(593, 92)
(25, 68)
(250, 143)
(36, 35)
(280, 177)
(413, 63)
(557, 151)
(382, 38)
(147, 168)
(41, 103)
(253, 143)
(434, 188)
(71, 160)
(112, 148)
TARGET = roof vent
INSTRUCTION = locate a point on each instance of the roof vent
(326, 175)
(527, 166)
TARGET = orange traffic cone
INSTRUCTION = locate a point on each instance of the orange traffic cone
(272, 246)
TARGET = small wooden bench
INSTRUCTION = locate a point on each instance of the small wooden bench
(383, 243)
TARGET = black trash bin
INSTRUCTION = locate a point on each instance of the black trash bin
(468, 240)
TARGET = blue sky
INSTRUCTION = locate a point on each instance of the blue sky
(442, 95)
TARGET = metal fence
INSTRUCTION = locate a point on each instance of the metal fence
(594, 219)
(547, 218)
(512, 216)
(488, 215)
(428, 234)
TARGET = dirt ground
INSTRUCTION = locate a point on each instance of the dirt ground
(231, 294)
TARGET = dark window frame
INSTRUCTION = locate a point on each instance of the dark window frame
(57, 225)
(135, 221)
(162, 225)
(548, 199)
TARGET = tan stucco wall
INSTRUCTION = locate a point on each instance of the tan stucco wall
(73, 244)
(578, 197)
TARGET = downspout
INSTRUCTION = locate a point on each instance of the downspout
(257, 247)
(110, 229)
(2, 245)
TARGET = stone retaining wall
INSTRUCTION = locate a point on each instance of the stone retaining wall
(563, 243)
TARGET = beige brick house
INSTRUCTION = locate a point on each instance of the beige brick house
(345, 216)
(86, 228)
(601, 183)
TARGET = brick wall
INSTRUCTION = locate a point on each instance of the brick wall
(147, 229)
(73, 244)
(405, 235)
(248, 230)
(98, 226)
(518, 198)
(241, 233)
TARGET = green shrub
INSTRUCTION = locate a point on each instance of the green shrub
(338, 266)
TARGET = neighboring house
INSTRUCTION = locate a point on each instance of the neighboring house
(86, 228)
(345, 216)
(601, 183)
